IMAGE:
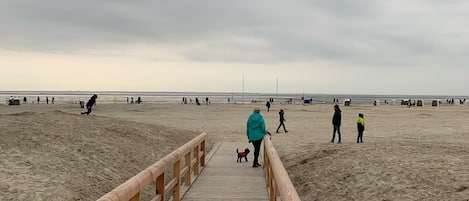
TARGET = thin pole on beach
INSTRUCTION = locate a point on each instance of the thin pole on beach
(277, 86)
(243, 87)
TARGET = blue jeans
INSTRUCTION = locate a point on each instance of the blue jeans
(336, 128)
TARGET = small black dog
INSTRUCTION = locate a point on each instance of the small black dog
(242, 154)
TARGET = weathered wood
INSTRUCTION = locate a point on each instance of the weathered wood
(187, 165)
(160, 187)
(222, 179)
(131, 189)
(225, 179)
(177, 177)
(197, 159)
(282, 184)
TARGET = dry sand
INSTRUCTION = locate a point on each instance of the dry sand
(50, 152)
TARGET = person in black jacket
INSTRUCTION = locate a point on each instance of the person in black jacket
(90, 104)
(336, 120)
(282, 121)
(268, 106)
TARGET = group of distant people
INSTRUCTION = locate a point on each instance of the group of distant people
(25, 100)
(256, 128)
(139, 100)
(197, 102)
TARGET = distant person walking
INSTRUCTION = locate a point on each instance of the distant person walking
(336, 121)
(90, 104)
(38, 100)
(360, 127)
(24, 100)
(268, 106)
(282, 121)
(255, 131)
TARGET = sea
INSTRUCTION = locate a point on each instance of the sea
(124, 97)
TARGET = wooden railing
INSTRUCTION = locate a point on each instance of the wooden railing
(131, 190)
(278, 181)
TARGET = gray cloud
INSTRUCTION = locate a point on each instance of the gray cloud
(353, 33)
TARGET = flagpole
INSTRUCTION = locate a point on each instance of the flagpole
(277, 86)
(243, 87)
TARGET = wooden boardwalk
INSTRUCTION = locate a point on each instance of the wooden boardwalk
(225, 179)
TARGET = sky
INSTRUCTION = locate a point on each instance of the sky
(306, 46)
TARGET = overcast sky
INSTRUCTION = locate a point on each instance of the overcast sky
(334, 46)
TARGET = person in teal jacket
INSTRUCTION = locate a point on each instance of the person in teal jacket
(255, 131)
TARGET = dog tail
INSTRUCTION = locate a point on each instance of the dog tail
(237, 150)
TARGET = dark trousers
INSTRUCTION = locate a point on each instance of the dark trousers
(257, 149)
(360, 137)
(89, 110)
(282, 124)
(336, 129)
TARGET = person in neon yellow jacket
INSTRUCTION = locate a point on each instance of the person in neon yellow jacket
(255, 131)
(360, 127)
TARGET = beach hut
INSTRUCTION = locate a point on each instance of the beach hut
(435, 103)
(419, 103)
(347, 102)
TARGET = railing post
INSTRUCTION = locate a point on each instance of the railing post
(187, 164)
(202, 160)
(177, 176)
(160, 186)
(273, 196)
(197, 160)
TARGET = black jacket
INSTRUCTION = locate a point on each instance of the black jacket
(336, 120)
(282, 116)
(92, 101)
(360, 127)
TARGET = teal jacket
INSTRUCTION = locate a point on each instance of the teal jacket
(255, 129)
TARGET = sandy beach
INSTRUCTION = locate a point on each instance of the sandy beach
(51, 152)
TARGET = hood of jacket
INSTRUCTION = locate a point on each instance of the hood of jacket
(254, 120)
(255, 127)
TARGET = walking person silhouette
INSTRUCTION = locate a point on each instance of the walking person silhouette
(282, 121)
(90, 104)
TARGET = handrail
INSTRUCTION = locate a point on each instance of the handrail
(278, 181)
(132, 188)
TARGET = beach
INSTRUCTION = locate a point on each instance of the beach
(51, 152)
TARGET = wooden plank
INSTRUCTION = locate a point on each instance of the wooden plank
(225, 179)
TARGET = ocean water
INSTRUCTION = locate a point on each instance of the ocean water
(120, 97)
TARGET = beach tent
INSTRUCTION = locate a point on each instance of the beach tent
(435, 103)
(347, 102)
(419, 103)
(307, 101)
